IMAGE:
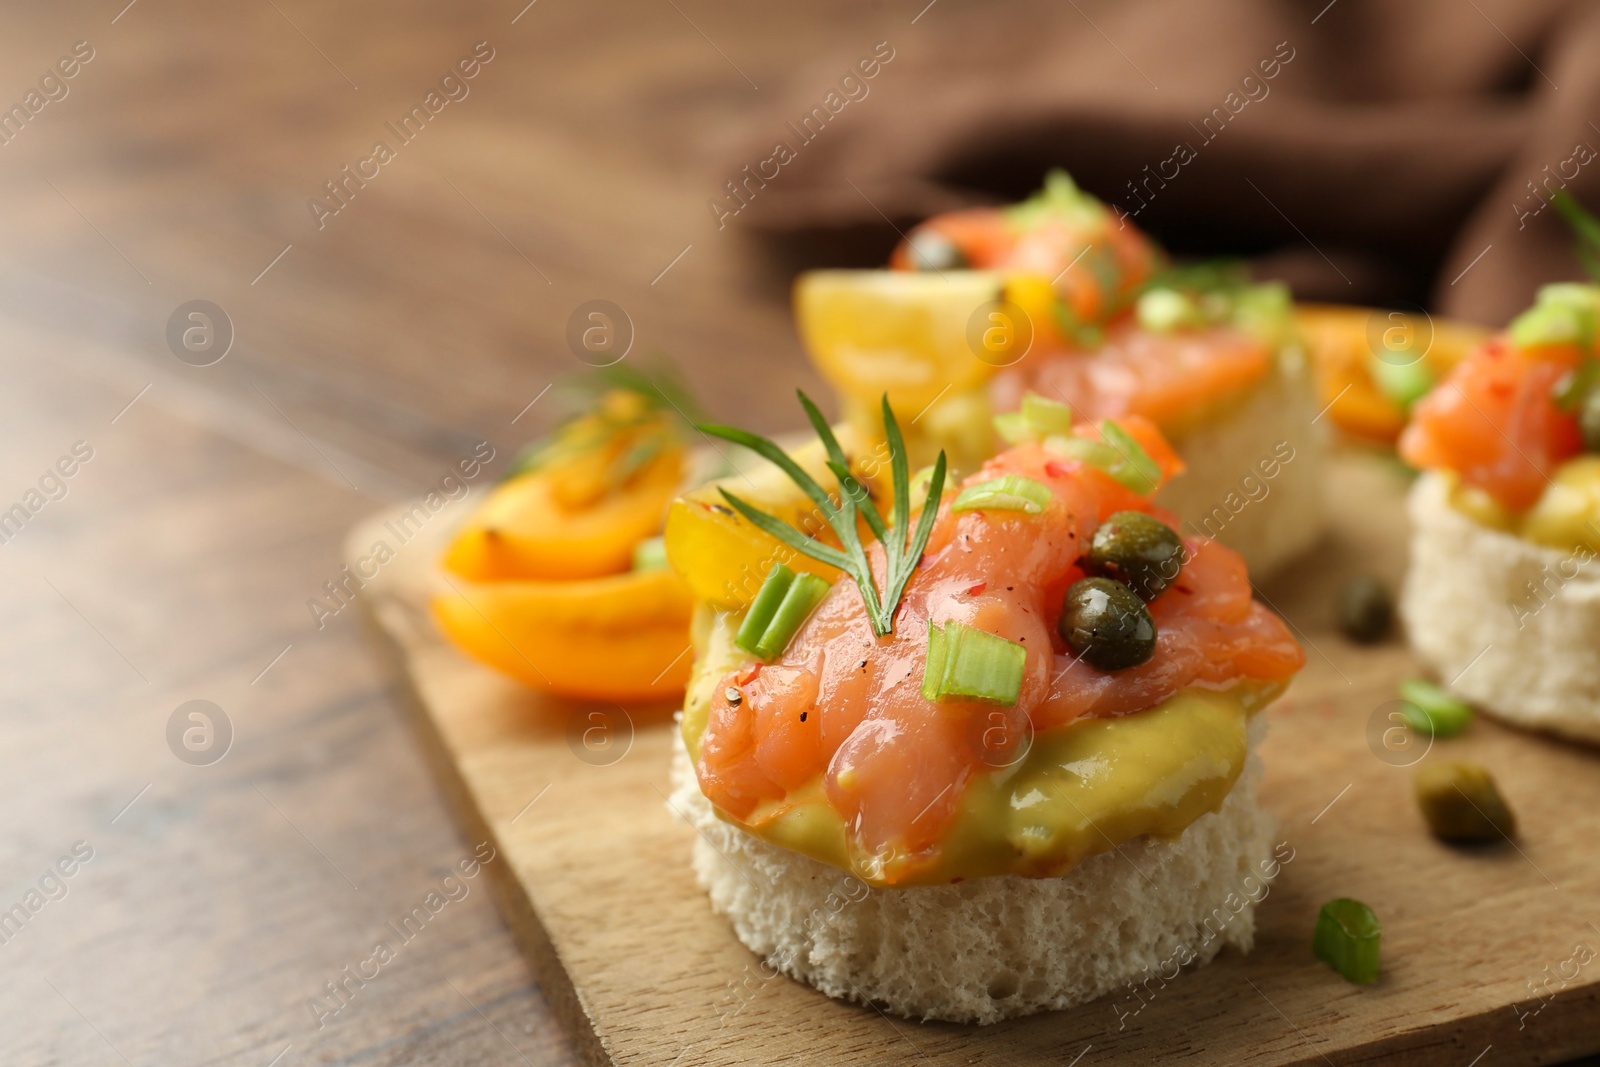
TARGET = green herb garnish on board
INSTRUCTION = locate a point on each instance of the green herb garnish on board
(902, 545)
(1348, 938)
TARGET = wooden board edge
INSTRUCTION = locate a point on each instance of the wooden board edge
(509, 895)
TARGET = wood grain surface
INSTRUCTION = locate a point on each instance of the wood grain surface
(597, 884)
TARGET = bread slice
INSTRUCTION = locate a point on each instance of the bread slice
(1254, 481)
(1509, 625)
(994, 948)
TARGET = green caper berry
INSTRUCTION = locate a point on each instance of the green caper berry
(1107, 625)
(1365, 610)
(1143, 553)
(931, 250)
(1462, 803)
(1589, 421)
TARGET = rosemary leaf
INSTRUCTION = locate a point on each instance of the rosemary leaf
(902, 554)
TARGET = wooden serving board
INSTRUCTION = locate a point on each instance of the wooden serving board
(1489, 955)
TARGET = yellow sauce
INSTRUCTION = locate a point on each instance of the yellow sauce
(1082, 789)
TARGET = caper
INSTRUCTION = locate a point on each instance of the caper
(932, 250)
(1142, 552)
(1589, 420)
(1107, 625)
(1365, 610)
(1461, 803)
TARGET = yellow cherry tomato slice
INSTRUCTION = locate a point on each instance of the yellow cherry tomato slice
(523, 531)
(624, 637)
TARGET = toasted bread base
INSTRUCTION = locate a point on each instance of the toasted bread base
(994, 948)
(1254, 481)
(1508, 625)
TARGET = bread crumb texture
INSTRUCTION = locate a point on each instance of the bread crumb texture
(1254, 478)
(993, 948)
(1511, 626)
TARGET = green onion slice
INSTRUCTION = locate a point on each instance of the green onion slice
(1094, 453)
(1164, 310)
(1405, 383)
(784, 601)
(763, 607)
(1119, 456)
(1347, 939)
(1575, 387)
(804, 594)
(1012, 492)
(1563, 313)
(1046, 416)
(1431, 708)
(970, 664)
(1117, 453)
(1137, 470)
(1551, 324)
(1013, 428)
(650, 554)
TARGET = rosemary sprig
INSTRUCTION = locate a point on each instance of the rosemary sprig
(902, 546)
(667, 411)
(1585, 226)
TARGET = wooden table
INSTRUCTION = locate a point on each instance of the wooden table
(222, 896)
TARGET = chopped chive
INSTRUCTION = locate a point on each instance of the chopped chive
(933, 669)
(763, 608)
(1405, 383)
(1137, 471)
(1430, 708)
(970, 664)
(1164, 310)
(1575, 387)
(1094, 453)
(1012, 492)
(801, 599)
(1550, 324)
(1046, 416)
(1347, 939)
(1265, 311)
(784, 601)
(1563, 313)
(920, 482)
(1013, 428)
(650, 554)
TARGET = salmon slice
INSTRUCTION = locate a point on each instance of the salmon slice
(1162, 376)
(1494, 420)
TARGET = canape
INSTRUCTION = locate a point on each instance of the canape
(988, 750)
(1064, 298)
(1501, 598)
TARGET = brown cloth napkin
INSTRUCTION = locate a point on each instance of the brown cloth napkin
(1367, 151)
